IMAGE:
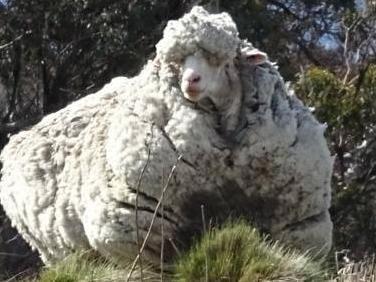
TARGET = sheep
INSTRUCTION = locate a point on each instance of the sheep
(72, 181)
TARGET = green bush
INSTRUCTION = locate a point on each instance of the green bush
(334, 103)
(349, 109)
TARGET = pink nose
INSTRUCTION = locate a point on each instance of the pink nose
(193, 79)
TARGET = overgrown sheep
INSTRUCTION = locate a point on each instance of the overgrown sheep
(73, 181)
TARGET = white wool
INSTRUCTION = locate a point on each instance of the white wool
(70, 181)
(216, 33)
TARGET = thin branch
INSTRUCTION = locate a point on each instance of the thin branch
(73, 42)
(360, 80)
(16, 72)
(13, 127)
(153, 219)
(11, 43)
(136, 204)
(285, 9)
(162, 232)
(206, 255)
(310, 56)
(346, 56)
(5, 254)
(17, 276)
(176, 249)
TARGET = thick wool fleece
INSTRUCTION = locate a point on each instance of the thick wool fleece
(216, 33)
(71, 181)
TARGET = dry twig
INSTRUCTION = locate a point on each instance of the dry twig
(136, 212)
(153, 219)
(206, 255)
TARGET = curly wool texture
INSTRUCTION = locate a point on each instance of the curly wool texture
(216, 33)
(71, 181)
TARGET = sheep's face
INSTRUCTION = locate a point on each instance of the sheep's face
(204, 75)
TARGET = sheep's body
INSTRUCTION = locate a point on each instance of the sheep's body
(70, 181)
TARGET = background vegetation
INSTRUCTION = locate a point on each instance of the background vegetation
(54, 52)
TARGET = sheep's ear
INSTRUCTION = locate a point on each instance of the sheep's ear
(254, 56)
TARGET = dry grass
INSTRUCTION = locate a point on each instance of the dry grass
(363, 271)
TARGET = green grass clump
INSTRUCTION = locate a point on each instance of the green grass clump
(84, 267)
(237, 252)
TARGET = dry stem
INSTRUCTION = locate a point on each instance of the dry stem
(153, 220)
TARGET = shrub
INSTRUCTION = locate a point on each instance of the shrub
(349, 110)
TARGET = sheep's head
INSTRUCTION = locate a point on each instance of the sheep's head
(206, 48)
(205, 75)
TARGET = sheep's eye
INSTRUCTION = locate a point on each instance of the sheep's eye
(212, 59)
(227, 65)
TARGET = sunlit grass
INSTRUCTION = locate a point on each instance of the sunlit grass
(84, 267)
(237, 252)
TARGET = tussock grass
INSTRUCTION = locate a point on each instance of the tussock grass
(234, 252)
(84, 267)
(237, 252)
